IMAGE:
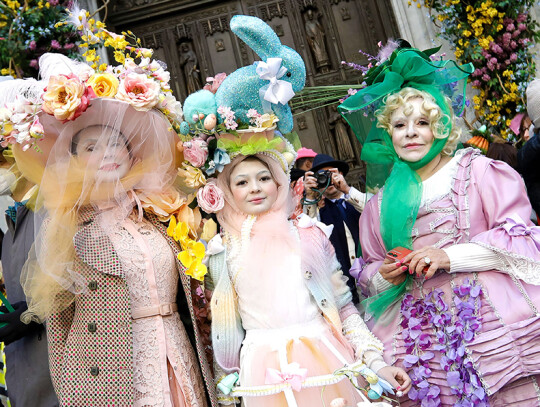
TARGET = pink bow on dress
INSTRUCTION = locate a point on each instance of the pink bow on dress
(292, 374)
(515, 226)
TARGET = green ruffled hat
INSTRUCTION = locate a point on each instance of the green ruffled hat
(406, 67)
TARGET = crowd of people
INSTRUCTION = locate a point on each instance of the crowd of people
(424, 290)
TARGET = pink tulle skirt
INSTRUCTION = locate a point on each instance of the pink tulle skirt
(313, 346)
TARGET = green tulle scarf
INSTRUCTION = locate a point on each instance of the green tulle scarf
(402, 191)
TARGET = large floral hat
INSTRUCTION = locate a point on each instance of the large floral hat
(248, 121)
(69, 87)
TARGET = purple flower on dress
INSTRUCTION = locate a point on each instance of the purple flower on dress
(452, 332)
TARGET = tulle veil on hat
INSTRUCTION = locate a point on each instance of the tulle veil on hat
(71, 187)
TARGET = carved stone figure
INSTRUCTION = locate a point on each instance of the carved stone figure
(189, 63)
(316, 40)
(341, 135)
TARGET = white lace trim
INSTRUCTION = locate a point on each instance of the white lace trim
(362, 340)
(440, 183)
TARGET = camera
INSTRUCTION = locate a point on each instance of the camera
(324, 179)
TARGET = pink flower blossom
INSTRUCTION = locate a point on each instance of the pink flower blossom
(139, 91)
(513, 45)
(513, 57)
(36, 129)
(521, 18)
(214, 82)
(66, 97)
(34, 64)
(69, 46)
(32, 45)
(55, 44)
(53, 2)
(510, 27)
(486, 78)
(196, 152)
(210, 198)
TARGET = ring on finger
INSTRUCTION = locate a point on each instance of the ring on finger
(427, 260)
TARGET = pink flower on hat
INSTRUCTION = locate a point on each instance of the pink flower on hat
(213, 83)
(196, 152)
(139, 91)
(66, 97)
(210, 197)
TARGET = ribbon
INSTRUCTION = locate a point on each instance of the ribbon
(515, 226)
(277, 91)
(305, 221)
(291, 374)
(226, 384)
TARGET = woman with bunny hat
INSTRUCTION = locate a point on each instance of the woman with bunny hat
(104, 275)
(284, 329)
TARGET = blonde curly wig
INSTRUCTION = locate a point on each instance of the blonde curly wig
(430, 109)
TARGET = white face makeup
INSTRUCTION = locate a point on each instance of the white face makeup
(104, 151)
(253, 187)
(412, 136)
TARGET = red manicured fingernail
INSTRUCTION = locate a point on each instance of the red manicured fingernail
(404, 268)
(398, 388)
(398, 264)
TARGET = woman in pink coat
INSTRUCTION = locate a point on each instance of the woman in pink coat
(459, 312)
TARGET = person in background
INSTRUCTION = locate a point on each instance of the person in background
(341, 207)
(503, 151)
(27, 365)
(304, 158)
(529, 155)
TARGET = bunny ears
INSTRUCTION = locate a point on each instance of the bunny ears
(265, 86)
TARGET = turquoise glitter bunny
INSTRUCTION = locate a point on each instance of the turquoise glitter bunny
(265, 85)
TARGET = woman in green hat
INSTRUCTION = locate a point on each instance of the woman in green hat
(447, 244)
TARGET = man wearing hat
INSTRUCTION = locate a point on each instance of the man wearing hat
(341, 206)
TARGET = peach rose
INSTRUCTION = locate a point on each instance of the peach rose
(66, 97)
(210, 198)
(162, 205)
(139, 91)
(103, 84)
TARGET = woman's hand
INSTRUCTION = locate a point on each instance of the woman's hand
(397, 377)
(393, 272)
(437, 259)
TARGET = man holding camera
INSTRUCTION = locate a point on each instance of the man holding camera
(329, 198)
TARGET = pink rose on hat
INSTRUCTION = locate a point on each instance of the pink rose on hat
(66, 97)
(139, 91)
(196, 152)
(210, 198)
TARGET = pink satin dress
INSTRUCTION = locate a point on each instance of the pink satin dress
(482, 203)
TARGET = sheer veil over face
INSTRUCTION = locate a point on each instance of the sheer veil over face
(99, 164)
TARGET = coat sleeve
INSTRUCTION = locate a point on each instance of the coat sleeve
(58, 327)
